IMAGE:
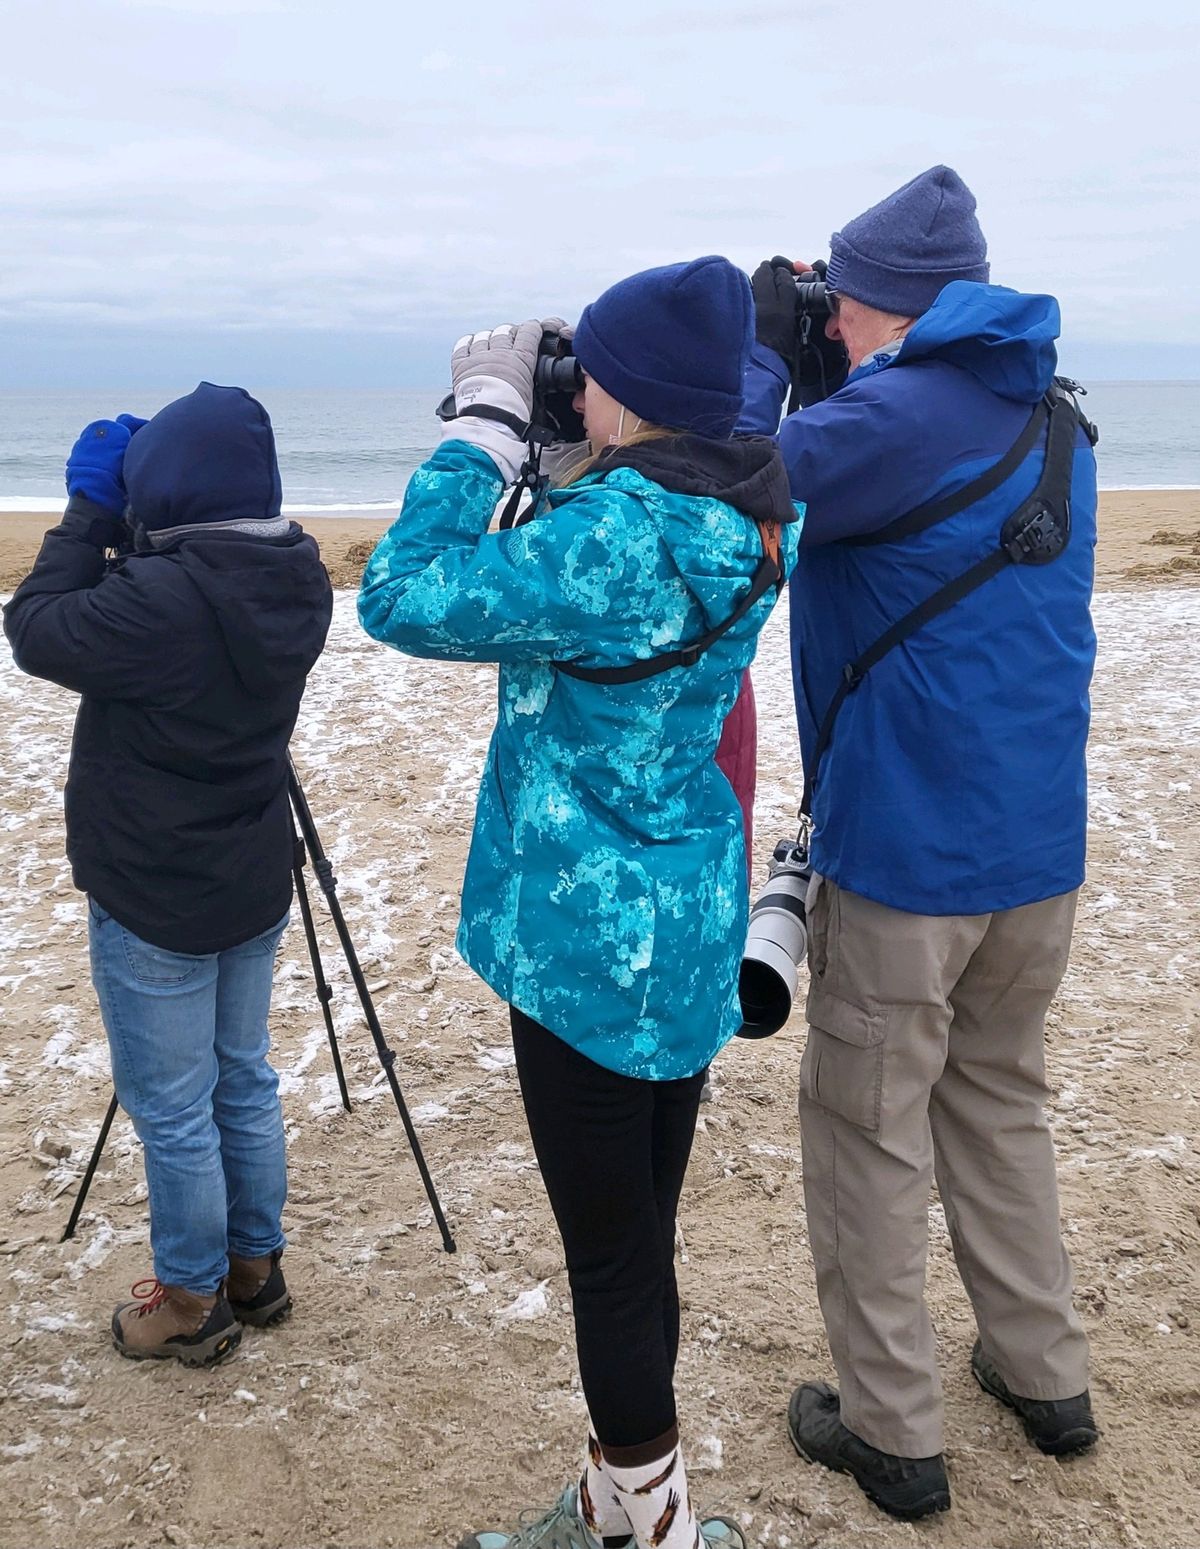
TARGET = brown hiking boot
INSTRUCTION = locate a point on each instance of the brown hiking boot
(258, 1292)
(165, 1322)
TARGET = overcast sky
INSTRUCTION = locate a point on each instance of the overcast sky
(310, 193)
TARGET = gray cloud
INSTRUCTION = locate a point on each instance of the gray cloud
(245, 165)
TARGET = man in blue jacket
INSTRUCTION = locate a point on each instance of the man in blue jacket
(190, 648)
(949, 812)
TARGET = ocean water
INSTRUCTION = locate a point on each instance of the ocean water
(352, 452)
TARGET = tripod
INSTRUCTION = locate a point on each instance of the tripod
(306, 844)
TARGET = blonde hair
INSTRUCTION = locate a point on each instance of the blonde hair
(638, 438)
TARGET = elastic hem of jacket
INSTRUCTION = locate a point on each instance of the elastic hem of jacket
(1038, 895)
(150, 933)
(505, 990)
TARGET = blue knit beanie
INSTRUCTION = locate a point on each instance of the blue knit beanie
(902, 251)
(672, 344)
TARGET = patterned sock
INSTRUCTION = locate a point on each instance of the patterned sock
(599, 1504)
(655, 1493)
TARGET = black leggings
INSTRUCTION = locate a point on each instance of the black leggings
(613, 1150)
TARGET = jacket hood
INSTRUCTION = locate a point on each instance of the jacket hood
(209, 457)
(271, 598)
(1002, 337)
(700, 493)
(746, 472)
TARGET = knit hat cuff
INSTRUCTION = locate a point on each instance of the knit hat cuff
(906, 292)
(704, 410)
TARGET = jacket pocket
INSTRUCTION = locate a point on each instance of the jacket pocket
(842, 1068)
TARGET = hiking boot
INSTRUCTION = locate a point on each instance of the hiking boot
(722, 1533)
(907, 1488)
(165, 1322)
(1060, 1427)
(257, 1291)
(563, 1528)
(559, 1528)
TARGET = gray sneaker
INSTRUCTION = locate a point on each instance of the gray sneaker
(562, 1528)
(722, 1533)
(559, 1528)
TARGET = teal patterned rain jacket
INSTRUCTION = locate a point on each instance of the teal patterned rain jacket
(605, 893)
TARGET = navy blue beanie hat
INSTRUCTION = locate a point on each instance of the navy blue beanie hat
(900, 254)
(209, 457)
(672, 344)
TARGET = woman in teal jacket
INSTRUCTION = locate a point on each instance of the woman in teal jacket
(605, 895)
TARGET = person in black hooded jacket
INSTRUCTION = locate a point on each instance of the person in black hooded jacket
(190, 646)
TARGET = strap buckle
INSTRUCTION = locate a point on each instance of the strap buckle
(689, 655)
(1039, 540)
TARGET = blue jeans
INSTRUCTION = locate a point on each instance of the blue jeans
(188, 1038)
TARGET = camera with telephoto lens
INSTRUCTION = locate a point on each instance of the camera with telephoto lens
(776, 941)
(557, 377)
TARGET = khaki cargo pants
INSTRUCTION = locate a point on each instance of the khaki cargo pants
(925, 1058)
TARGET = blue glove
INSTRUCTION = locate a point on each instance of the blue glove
(94, 466)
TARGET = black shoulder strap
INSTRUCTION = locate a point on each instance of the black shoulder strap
(767, 574)
(1036, 533)
(990, 480)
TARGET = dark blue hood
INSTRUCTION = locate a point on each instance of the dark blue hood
(209, 457)
(1002, 337)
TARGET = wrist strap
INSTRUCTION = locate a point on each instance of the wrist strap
(524, 430)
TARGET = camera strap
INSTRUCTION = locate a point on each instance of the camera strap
(531, 480)
(768, 572)
(1035, 534)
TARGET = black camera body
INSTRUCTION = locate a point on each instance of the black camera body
(821, 365)
(557, 377)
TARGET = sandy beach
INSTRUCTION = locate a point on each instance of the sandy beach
(1131, 524)
(415, 1394)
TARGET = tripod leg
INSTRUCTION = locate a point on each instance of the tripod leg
(323, 869)
(324, 993)
(86, 1184)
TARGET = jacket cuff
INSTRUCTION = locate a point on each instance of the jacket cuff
(84, 519)
(505, 449)
(765, 387)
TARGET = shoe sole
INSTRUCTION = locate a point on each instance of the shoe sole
(939, 1501)
(207, 1353)
(264, 1317)
(1069, 1444)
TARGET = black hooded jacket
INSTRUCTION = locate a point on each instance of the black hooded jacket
(191, 660)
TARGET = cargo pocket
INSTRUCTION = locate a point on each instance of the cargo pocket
(817, 910)
(842, 1068)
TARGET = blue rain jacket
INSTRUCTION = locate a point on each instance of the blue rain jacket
(605, 892)
(955, 782)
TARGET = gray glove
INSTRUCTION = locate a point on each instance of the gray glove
(494, 369)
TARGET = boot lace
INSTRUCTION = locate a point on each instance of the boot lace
(558, 1528)
(150, 1293)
